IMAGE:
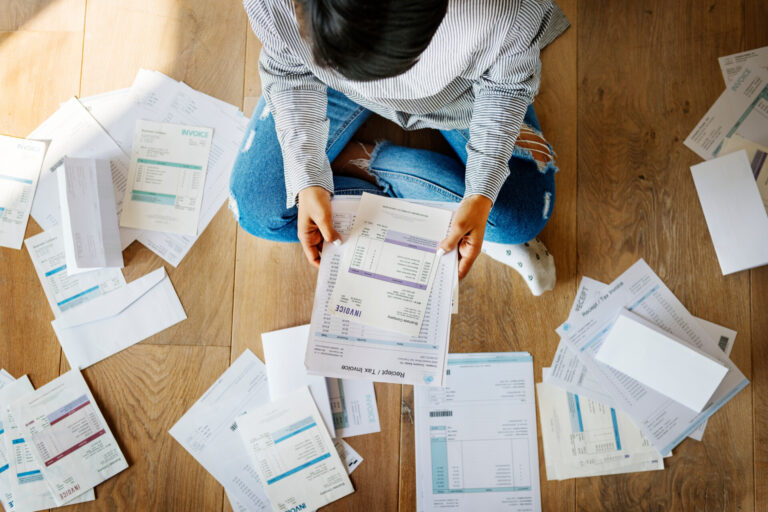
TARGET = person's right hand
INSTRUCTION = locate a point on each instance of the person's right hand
(315, 222)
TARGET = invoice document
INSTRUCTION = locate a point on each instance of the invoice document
(166, 178)
(6, 498)
(284, 357)
(736, 216)
(340, 347)
(63, 290)
(742, 109)
(293, 454)
(389, 264)
(29, 489)
(731, 65)
(69, 436)
(88, 215)
(476, 445)
(209, 430)
(20, 162)
(664, 422)
(582, 438)
(354, 408)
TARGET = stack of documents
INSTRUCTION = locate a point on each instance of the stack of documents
(733, 184)
(269, 455)
(375, 258)
(55, 445)
(476, 445)
(637, 374)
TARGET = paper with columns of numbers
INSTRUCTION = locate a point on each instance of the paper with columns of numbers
(476, 443)
(68, 436)
(166, 179)
(27, 486)
(389, 264)
(20, 162)
(293, 454)
(339, 347)
(731, 65)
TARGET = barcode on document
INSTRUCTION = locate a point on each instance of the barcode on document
(440, 414)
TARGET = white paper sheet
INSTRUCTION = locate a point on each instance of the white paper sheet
(735, 214)
(209, 430)
(742, 109)
(758, 161)
(114, 322)
(664, 422)
(88, 215)
(731, 65)
(293, 454)
(476, 445)
(166, 177)
(353, 403)
(20, 162)
(344, 349)
(389, 263)
(68, 436)
(583, 438)
(29, 490)
(284, 357)
(65, 291)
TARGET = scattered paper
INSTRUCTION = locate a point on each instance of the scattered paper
(293, 453)
(476, 445)
(65, 291)
(20, 162)
(758, 161)
(731, 65)
(353, 403)
(88, 215)
(114, 322)
(69, 436)
(735, 214)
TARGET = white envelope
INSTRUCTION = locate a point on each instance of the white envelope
(646, 353)
(117, 320)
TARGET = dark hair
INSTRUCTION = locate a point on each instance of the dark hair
(368, 40)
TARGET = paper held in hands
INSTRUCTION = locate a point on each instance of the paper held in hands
(389, 264)
(642, 351)
(166, 177)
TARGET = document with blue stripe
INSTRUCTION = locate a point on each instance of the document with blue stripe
(293, 453)
(20, 162)
(476, 445)
(166, 177)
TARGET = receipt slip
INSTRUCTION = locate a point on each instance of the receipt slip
(113, 322)
(68, 436)
(734, 211)
(389, 264)
(88, 215)
(642, 351)
(20, 162)
(166, 177)
(293, 454)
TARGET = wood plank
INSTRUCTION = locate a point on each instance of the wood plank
(51, 37)
(203, 44)
(142, 392)
(637, 103)
(755, 36)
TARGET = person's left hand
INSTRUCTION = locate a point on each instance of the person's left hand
(467, 230)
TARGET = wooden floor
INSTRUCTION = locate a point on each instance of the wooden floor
(620, 91)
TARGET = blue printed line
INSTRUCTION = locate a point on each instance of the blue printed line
(594, 340)
(13, 178)
(302, 429)
(481, 489)
(89, 290)
(633, 306)
(18, 441)
(379, 342)
(298, 468)
(615, 429)
(501, 359)
(4, 468)
(2, 431)
(55, 270)
(29, 473)
(578, 412)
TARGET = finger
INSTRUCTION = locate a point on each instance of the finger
(469, 250)
(455, 234)
(309, 238)
(325, 224)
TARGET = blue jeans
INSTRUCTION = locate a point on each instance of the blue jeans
(257, 186)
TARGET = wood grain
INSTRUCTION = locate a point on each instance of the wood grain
(142, 392)
(637, 102)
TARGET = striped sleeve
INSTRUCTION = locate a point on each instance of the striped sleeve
(502, 96)
(297, 101)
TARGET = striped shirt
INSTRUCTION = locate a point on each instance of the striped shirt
(480, 71)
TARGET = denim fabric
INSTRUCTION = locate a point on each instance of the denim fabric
(257, 186)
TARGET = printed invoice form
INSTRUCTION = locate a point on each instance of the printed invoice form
(341, 348)
(166, 177)
(476, 446)
(389, 264)
(20, 162)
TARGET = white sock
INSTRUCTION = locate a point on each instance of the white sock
(531, 260)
